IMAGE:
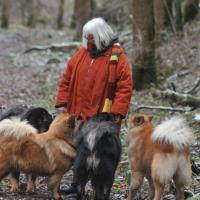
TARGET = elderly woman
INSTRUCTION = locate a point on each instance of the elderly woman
(97, 77)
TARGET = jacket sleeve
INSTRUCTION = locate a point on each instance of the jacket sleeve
(124, 87)
(62, 96)
(63, 87)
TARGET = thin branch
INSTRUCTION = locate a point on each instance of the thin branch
(182, 99)
(193, 89)
(178, 75)
(170, 17)
(124, 162)
(65, 47)
(163, 108)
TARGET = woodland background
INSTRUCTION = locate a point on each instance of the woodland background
(161, 39)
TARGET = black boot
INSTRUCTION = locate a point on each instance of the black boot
(71, 190)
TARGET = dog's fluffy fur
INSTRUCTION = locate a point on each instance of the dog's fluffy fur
(9, 128)
(38, 117)
(159, 153)
(33, 120)
(98, 154)
(47, 154)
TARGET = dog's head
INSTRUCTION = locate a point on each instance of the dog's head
(14, 111)
(39, 118)
(102, 116)
(2, 109)
(137, 123)
(63, 125)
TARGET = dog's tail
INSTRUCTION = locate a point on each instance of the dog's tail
(16, 128)
(174, 132)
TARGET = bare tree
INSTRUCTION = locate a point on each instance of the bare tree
(178, 14)
(73, 19)
(159, 11)
(83, 13)
(143, 30)
(22, 10)
(60, 14)
(5, 13)
(190, 9)
(31, 13)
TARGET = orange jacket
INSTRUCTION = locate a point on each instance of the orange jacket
(83, 84)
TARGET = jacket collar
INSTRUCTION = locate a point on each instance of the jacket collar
(98, 53)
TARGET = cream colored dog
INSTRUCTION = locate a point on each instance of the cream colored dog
(159, 154)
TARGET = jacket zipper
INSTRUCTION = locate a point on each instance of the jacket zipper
(88, 70)
(92, 61)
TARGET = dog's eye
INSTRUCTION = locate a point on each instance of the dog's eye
(138, 120)
(71, 126)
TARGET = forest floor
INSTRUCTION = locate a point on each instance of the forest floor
(31, 78)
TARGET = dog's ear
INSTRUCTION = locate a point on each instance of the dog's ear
(138, 120)
(71, 122)
(150, 117)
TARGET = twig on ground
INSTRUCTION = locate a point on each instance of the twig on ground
(186, 109)
(179, 98)
(194, 88)
(180, 74)
(65, 47)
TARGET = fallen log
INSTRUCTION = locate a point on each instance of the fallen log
(181, 99)
(186, 109)
(64, 47)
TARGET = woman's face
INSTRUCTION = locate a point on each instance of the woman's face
(90, 43)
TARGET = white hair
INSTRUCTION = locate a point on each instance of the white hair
(16, 128)
(101, 31)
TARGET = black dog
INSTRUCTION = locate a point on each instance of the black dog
(38, 117)
(2, 109)
(98, 154)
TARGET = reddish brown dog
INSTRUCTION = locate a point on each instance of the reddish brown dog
(47, 154)
(159, 153)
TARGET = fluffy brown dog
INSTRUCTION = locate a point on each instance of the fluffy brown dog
(48, 154)
(37, 117)
(159, 154)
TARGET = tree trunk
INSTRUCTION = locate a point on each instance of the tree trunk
(60, 14)
(74, 16)
(144, 69)
(178, 14)
(190, 9)
(82, 14)
(159, 11)
(5, 13)
(22, 11)
(168, 8)
(31, 13)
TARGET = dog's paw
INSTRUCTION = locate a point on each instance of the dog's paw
(14, 188)
(30, 188)
(58, 198)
